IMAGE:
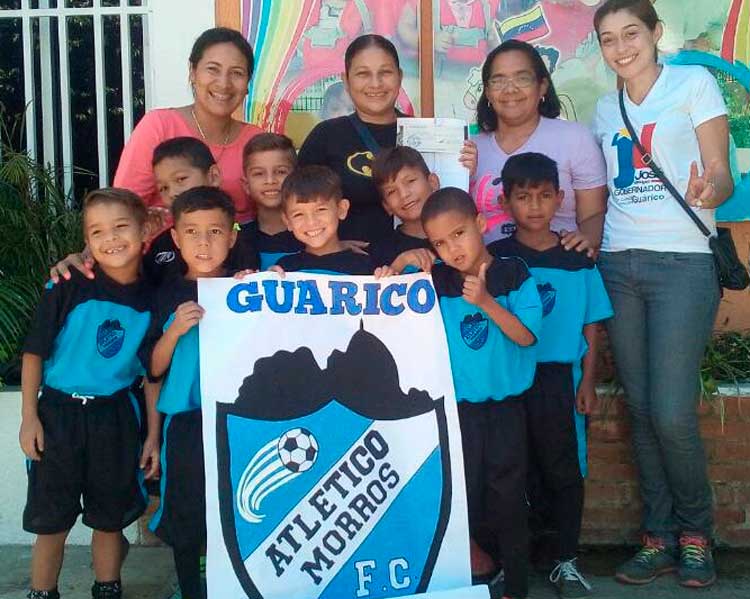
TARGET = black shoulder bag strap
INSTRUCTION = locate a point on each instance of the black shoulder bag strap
(364, 134)
(648, 160)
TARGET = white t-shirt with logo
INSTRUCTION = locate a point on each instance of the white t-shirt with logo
(641, 213)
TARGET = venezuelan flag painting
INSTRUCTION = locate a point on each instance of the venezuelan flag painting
(299, 51)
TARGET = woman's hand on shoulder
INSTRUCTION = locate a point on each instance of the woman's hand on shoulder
(575, 240)
(82, 262)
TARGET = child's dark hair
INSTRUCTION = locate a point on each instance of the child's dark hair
(389, 162)
(369, 40)
(311, 183)
(116, 195)
(529, 169)
(203, 198)
(269, 142)
(222, 35)
(448, 199)
(189, 148)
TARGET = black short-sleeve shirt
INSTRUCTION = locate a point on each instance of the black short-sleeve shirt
(345, 262)
(335, 143)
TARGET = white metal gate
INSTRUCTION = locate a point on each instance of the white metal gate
(45, 11)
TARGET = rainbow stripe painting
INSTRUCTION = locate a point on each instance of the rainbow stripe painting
(274, 29)
(736, 42)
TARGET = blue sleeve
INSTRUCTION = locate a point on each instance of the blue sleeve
(598, 306)
(526, 305)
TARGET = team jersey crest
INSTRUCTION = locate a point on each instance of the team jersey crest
(109, 338)
(331, 469)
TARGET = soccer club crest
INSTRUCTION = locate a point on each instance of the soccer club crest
(109, 338)
(548, 295)
(332, 481)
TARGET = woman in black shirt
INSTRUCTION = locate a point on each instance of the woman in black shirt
(348, 144)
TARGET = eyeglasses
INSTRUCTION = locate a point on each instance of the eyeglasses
(521, 80)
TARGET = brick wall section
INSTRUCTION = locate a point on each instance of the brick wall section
(612, 510)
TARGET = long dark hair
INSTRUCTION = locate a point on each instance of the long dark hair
(643, 10)
(369, 40)
(222, 35)
(548, 107)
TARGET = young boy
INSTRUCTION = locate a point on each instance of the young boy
(204, 233)
(312, 208)
(81, 434)
(179, 164)
(574, 299)
(267, 160)
(404, 182)
(492, 315)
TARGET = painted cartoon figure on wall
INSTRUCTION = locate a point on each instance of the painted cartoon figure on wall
(300, 46)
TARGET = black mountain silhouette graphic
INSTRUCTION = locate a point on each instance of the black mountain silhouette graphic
(364, 378)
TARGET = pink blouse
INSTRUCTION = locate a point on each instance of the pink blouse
(134, 171)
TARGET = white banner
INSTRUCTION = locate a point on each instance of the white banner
(332, 446)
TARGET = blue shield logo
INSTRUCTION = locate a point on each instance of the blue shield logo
(474, 330)
(548, 295)
(109, 338)
(329, 474)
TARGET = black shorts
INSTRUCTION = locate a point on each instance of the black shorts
(180, 520)
(91, 451)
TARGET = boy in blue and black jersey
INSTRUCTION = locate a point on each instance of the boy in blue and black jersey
(267, 160)
(573, 300)
(204, 233)
(81, 433)
(179, 164)
(404, 182)
(492, 315)
(312, 208)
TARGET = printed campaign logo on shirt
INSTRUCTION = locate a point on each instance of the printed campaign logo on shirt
(109, 338)
(635, 182)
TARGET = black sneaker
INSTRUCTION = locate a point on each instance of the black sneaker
(34, 594)
(654, 559)
(697, 567)
(568, 581)
(106, 590)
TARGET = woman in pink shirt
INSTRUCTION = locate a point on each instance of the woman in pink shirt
(221, 64)
(518, 112)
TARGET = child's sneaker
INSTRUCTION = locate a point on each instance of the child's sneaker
(568, 581)
(53, 594)
(654, 559)
(697, 567)
(106, 590)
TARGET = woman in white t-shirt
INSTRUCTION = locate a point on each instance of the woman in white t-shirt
(661, 278)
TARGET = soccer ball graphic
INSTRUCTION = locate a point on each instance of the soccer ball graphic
(298, 449)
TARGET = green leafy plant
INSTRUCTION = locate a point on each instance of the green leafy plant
(727, 361)
(38, 226)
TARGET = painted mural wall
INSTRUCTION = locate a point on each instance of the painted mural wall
(300, 47)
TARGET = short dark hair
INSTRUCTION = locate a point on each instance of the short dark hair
(222, 35)
(369, 40)
(116, 195)
(529, 169)
(549, 106)
(389, 162)
(268, 142)
(643, 10)
(203, 197)
(448, 199)
(189, 148)
(311, 183)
